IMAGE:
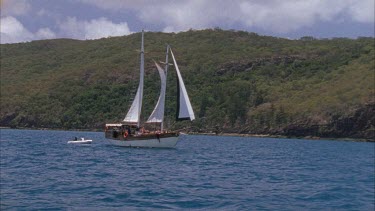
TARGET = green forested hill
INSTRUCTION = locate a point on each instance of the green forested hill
(237, 81)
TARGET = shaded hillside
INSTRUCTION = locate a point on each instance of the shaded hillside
(237, 82)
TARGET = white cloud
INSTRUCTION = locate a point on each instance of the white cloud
(362, 11)
(288, 15)
(15, 7)
(169, 29)
(125, 4)
(291, 15)
(183, 15)
(45, 33)
(12, 31)
(272, 15)
(282, 16)
(93, 29)
(42, 12)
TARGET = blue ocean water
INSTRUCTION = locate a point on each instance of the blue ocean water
(39, 170)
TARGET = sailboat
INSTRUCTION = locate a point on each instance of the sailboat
(131, 133)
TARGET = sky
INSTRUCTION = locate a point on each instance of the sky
(27, 20)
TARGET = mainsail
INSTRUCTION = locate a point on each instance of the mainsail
(157, 114)
(184, 109)
(134, 113)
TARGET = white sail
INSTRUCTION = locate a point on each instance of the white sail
(157, 114)
(134, 113)
(184, 109)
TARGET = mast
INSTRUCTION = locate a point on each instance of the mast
(134, 113)
(142, 73)
(165, 89)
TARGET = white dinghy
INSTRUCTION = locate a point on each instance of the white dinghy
(82, 141)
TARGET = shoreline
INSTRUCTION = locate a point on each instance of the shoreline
(57, 129)
(216, 134)
(284, 137)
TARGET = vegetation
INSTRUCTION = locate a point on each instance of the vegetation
(237, 81)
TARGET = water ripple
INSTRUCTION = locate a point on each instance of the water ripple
(39, 170)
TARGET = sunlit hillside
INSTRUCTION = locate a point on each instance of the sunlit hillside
(237, 81)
